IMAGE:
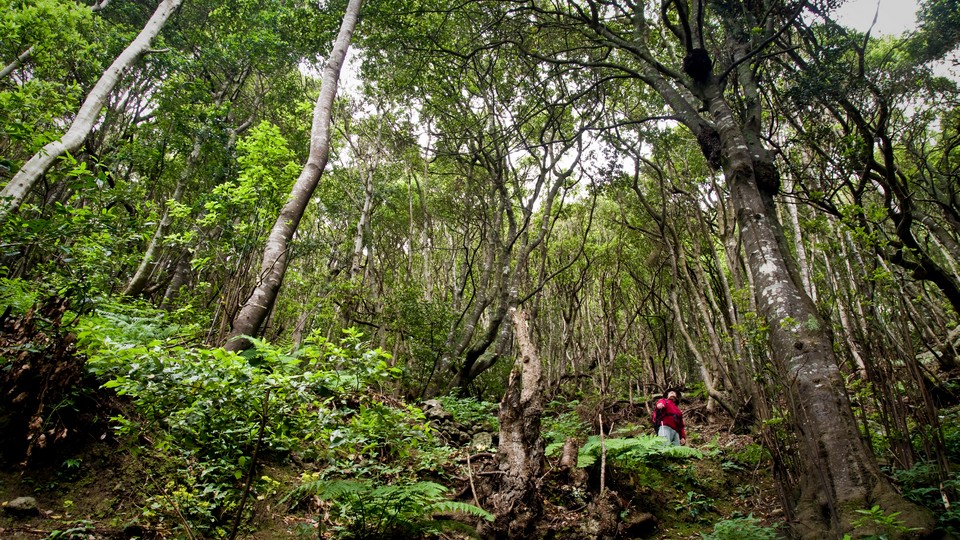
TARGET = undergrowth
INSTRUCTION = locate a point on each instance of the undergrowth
(214, 416)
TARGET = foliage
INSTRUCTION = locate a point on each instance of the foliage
(204, 407)
(878, 519)
(471, 411)
(364, 510)
(559, 427)
(633, 451)
(921, 484)
(18, 295)
(744, 528)
(695, 505)
(751, 455)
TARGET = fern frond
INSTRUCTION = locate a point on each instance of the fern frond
(440, 526)
(683, 452)
(449, 507)
(327, 490)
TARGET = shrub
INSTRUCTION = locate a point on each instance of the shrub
(470, 411)
(558, 428)
(204, 408)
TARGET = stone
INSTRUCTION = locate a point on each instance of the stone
(482, 441)
(433, 410)
(22, 507)
(639, 525)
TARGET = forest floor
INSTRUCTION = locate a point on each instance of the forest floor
(100, 490)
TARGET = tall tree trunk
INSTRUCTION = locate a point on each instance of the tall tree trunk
(275, 257)
(13, 194)
(840, 474)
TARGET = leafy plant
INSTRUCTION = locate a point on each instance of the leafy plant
(364, 510)
(744, 528)
(921, 484)
(751, 455)
(470, 411)
(80, 530)
(628, 452)
(558, 428)
(695, 505)
(876, 518)
(205, 408)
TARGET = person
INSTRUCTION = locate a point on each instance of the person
(668, 420)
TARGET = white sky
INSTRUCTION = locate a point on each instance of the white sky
(894, 16)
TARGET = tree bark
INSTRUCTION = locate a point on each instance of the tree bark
(275, 257)
(13, 194)
(840, 474)
(17, 62)
(517, 503)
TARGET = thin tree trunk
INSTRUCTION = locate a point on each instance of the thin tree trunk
(275, 257)
(150, 256)
(8, 69)
(178, 280)
(802, 262)
(13, 194)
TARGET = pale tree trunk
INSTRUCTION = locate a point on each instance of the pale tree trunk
(846, 326)
(426, 234)
(713, 394)
(370, 154)
(13, 194)
(517, 503)
(275, 257)
(8, 69)
(802, 262)
(178, 280)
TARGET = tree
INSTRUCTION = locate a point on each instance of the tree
(13, 194)
(251, 316)
(714, 92)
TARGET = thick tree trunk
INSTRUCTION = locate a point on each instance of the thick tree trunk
(275, 257)
(517, 503)
(20, 185)
(840, 474)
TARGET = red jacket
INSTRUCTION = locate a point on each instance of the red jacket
(669, 415)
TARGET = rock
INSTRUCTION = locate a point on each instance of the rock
(482, 441)
(638, 525)
(433, 410)
(604, 517)
(22, 507)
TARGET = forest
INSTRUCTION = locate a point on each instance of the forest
(374, 269)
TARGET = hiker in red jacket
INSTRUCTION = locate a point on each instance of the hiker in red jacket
(668, 420)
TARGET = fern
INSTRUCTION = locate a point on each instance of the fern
(682, 452)
(644, 449)
(326, 490)
(457, 507)
(389, 511)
